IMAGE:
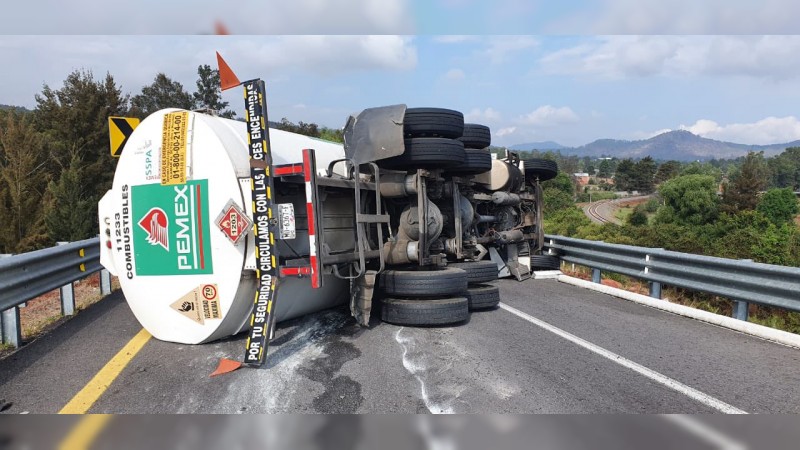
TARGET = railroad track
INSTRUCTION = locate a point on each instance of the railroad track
(593, 213)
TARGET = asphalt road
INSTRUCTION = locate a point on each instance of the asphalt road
(496, 363)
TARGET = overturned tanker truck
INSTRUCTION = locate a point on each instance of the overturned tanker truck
(216, 226)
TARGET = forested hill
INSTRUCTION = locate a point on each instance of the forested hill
(677, 145)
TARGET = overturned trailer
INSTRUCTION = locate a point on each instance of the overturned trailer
(216, 226)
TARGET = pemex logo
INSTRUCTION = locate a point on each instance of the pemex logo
(156, 225)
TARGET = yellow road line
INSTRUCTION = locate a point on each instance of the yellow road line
(87, 396)
(85, 432)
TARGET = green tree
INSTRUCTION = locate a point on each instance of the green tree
(605, 169)
(667, 171)
(307, 129)
(741, 193)
(22, 184)
(331, 134)
(785, 169)
(74, 120)
(162, 93)
(209, 93)
(625, 175)
(688, 200)
(68, 202)
(638, 217)
(644, 171)
(778, 205)
(558, 193)
(698, 168)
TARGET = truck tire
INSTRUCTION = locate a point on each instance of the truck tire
(427, 153)
(545, 262)
(433, 122)
(475, 162)
(483, 296)
(476, 136)
(543, 169)
(441, 311)
(424, 283)
(477, 271)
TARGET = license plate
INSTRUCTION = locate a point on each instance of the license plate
(286, 225)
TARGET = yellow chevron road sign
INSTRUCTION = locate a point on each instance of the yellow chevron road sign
(119, 130)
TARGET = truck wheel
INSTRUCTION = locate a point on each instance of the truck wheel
(440, 311)
(433, 122)
(545, 262)
(483, 296)
(476, 136)
(543, 169)
(477, 271)
(427, 153)
(424, 283)
(475, 162)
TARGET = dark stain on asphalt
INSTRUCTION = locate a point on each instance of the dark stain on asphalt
(342, 394)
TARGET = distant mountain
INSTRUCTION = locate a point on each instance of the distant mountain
(546, 145)
(680, 145)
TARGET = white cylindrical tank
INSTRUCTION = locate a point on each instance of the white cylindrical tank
(182, 277)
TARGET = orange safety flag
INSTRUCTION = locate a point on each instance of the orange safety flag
(227, 79)
(226, 366)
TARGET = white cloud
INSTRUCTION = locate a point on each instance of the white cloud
(505, 131)
(454, 75)
(549, 116)
(612, 57)
(455, 38)
(501, 48)
(246, 17)
(767, 131)
(685, 17)
(488, 115)
(770, 130)
(134, 60)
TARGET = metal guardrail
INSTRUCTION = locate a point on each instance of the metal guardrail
(26, 276)
(742, 281)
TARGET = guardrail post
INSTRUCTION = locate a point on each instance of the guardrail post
(67, 295)
(740, 310)
(12, 331)
(655, 289)
(105, 282)
(596, 276)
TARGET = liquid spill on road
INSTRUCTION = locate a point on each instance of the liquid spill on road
(273, 389)
(440, 390)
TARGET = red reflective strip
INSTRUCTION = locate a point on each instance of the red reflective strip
(294, 169)
(295, 271)
(200, 228)
(307, 166)
(314, 272)
(311, 219)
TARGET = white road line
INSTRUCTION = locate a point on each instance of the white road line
(705, 432)
(701, 397)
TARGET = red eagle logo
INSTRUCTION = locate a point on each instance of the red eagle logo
(155, 224)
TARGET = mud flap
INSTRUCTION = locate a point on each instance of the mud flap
(361, 293)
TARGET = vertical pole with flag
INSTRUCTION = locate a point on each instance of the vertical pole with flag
(262, 320)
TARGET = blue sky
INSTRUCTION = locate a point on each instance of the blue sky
(570, 89)
(625, 69)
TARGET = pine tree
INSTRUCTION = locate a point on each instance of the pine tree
(625, 175)
(162, 93)
(68, 204)
(209, 93)
(22, 183)
(741, 193)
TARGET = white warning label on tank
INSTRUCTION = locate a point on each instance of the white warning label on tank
(199, 304)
